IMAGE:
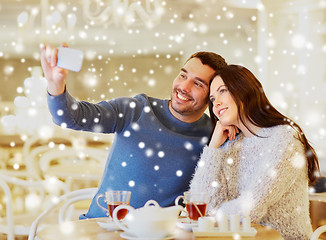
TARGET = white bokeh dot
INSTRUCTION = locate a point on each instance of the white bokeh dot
(131, 183)
(126, 134)
(179, 173)
(188, 146)
(60, 112)
(214, 184)
(51, 144)
(229, 161)
(161, 154)
(123, 164)
(149, 152)
(147, 109)
(141, 145)
(204, 140)
(74, 106)
(135, 126)
(132, 104)
(201, 163)
(156, 167)
(62, 146)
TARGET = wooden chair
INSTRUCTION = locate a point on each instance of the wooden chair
(80, 166)
(37, 194)
(65, 205)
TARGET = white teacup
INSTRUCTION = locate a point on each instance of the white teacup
(206, 224)
(150, 221)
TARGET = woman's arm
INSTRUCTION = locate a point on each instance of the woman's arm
(209, 177)
(221, 133)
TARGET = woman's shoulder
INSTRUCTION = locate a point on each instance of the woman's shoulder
(284, 130)
(282, 134)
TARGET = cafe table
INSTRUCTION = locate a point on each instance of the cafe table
(90, 230)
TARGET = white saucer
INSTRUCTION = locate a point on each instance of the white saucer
(107, 224)
(186, 225)
(131, 237)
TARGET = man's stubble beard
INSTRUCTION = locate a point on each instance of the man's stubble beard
(186, 111)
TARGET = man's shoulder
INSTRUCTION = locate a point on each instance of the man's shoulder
(151, 102)
(145, 97)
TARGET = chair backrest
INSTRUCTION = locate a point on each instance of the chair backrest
(71, 198)
(34, 146)
(71, 153)
(42, 187)
(66, 201)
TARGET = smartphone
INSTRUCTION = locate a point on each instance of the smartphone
(69, 58)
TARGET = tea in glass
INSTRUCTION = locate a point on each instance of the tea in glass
(196, 210)
(114, 199)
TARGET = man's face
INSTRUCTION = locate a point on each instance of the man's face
(190, 91)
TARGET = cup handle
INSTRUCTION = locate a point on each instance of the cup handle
(176, 202)
(119, 222)
(151, 202)
(98, 204)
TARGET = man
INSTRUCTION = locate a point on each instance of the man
(157, 142)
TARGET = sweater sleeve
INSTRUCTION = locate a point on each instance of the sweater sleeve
(105, 117)
(266, 190)
(209, 177)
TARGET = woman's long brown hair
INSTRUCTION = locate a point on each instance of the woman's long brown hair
(253, 105)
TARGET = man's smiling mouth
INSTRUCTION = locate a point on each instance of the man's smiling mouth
(181, 97)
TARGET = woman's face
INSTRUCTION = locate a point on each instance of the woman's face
(224, 106)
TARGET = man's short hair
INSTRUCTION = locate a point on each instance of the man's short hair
(211, 59)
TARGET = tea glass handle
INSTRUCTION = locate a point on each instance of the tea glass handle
(151, 202)
(99, 196)
(176, 202)
(318, 232)
(120, 222)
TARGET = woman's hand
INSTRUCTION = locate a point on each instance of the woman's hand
(55, 76)
(222, 133)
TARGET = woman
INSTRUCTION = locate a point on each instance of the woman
(265, 170)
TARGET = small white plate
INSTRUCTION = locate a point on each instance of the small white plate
(131, 237)
(107, 224)
(217, 233)
(186, 224)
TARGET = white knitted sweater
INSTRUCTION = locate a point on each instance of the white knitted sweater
(265, 178)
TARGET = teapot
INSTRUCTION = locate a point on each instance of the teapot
(150, 221)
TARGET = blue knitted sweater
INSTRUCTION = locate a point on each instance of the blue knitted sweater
(153, 155)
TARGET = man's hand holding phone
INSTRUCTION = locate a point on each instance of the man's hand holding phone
(56, 62)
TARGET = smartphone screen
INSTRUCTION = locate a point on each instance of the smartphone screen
(69, 58)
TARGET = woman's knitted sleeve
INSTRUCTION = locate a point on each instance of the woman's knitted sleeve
(209, 177)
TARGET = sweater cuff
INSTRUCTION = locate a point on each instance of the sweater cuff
(210, 153)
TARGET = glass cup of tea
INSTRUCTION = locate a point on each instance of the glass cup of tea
(114, 199)
(195, 202)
